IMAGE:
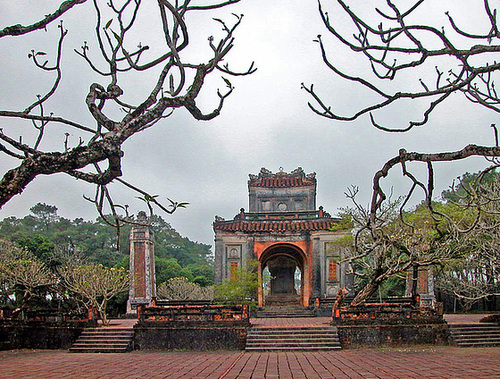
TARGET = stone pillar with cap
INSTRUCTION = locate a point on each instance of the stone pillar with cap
(142, 265)
(420, 283)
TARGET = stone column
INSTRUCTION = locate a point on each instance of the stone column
(422, 280)
(316, 269)
(142, 265)
(220, 259)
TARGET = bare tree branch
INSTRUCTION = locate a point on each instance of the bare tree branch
(393, 49)
(18, 30)
(177, 85)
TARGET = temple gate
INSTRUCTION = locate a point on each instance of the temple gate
(293, 242)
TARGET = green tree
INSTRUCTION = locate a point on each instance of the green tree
(166, 269)
(468, 184)
(38, 245)
(203, 274)
(241, 288)
(475, 274)
(96, 240)
(46, 214)
(455, 236)
(170, 244)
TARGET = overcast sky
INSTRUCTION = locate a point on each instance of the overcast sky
(265, 123)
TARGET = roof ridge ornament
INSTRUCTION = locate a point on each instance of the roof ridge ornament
(296, 178)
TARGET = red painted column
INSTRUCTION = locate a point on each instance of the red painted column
(142, 265)
(260, 295)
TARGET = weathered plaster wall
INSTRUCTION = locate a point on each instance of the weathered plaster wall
(268, 199)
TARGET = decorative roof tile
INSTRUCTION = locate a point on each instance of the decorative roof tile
(296, 178)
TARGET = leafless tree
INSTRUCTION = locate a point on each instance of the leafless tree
(395, 246)
(22, 271)
(473, 278)
(177, 82)
(475, 274)
(94, 285)
(182, 289)
(460, 238)
(399, 50)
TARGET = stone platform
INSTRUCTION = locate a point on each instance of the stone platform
(407, 362)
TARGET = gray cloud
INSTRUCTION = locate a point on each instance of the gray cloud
(265, 123)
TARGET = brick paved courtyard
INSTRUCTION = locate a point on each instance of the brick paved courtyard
(422, 362)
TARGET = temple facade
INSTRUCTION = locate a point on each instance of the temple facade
(293, 243)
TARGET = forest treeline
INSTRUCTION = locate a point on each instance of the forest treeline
(44, 231)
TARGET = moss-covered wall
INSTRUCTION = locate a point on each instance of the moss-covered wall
(393, 335)
(38, 335)
(161, 336)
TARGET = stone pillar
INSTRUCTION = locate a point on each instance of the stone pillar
(220, 259)
(260, 294)
(142, 265)
(322, 267)
(316, 268)
(422, 279)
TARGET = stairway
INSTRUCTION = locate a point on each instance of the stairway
(285, 312)
(287, 338)
(104, 340)
(473, 335)
(283, 299)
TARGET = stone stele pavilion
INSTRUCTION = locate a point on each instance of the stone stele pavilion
(292, 241)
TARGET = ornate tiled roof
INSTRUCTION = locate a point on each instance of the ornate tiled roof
(296, 178)
(274, 226)
(250, 226)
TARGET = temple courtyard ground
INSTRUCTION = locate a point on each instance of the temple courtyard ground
(415, 362)
(403, 362)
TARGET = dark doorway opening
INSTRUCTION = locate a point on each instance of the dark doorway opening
(282, 273)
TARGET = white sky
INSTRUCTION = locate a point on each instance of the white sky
(265, 123)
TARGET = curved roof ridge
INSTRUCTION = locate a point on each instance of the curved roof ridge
(259, 226)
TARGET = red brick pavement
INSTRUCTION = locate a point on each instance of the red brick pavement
(422, 362)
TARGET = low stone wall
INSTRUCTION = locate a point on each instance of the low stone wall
(39, 335)
(158, 335)
(352, 336)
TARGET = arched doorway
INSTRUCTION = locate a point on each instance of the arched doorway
(282, 275)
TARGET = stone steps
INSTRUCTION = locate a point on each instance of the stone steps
(292, 338)
(284, 312)
(474, 335)
(104, 340)
(283, 300)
